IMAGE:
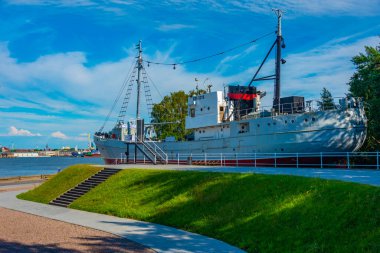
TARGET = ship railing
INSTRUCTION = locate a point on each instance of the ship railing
(344, 160)
(337, 103)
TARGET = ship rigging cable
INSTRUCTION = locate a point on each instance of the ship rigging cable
(130, 78)
(210, 56)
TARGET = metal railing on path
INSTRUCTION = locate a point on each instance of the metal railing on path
(345, 160)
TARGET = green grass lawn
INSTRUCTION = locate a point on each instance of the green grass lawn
(258, 213)
(60, 183)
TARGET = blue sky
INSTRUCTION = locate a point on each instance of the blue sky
(62, 63)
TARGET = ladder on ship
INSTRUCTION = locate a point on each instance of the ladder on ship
(151, 151)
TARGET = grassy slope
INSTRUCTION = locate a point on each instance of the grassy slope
(258, 213)
(60, 183)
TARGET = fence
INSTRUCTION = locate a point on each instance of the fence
(346, 160)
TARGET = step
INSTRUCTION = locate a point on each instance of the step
(57, 204)
(105, 174)
(62, 202)
(97, 179)
(73, 191)
(72, 194)
(66, 198)
(88, 184)
(102, 175)
(94, 179)
(110, 170)
(80, 189)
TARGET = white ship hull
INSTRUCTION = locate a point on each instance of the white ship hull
(320, 131)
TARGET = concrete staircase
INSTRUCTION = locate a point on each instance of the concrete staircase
(68, 197)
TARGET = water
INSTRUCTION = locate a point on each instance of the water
(28, 166)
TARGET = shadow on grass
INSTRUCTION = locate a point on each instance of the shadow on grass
(258, 213)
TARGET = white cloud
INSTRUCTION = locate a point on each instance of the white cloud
(173, 27)
(59, 135)
(13, 131)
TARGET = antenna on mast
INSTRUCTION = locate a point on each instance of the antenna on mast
(279, 61)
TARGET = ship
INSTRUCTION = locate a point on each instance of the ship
(234, 122)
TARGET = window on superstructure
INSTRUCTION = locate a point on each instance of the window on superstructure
(221, 108)
(192, 112)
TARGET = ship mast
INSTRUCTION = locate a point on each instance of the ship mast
(139, 68)
(277, 81)
(278, 43)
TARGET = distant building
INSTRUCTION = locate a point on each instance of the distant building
(25, 154)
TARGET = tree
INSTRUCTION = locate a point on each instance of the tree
(365, 83)
(170, 115)
(327, 101)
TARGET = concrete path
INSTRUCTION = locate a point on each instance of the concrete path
(371, 177)
(157, 237)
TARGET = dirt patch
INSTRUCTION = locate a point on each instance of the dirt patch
(24, 179)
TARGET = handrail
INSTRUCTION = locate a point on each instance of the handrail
(155, 149)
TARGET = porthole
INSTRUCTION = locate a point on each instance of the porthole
(313, 119)
(306, 120)
(274, 123)
(208, 108)
(268, 124)
(292, 120)
(286, 122)
(258, 125)
(242, 127)
(282, 149)
(201, 109)
(203, 131)
(200, 131)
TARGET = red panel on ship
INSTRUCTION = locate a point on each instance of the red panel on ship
(241, 96)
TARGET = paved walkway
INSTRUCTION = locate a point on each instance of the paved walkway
(371, 177)
(157, 237)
